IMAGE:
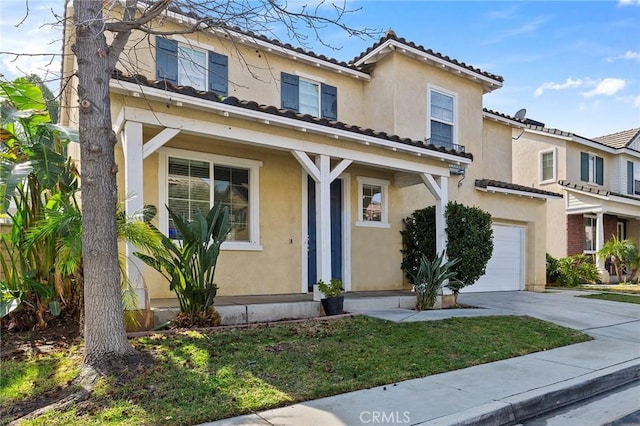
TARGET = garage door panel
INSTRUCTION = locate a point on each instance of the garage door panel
(505, 268)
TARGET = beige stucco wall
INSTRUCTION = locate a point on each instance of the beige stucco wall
(496, 152)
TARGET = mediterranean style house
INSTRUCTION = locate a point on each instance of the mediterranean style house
(599, 177)
(318, 160)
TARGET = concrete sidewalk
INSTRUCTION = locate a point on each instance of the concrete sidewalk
(502, 392)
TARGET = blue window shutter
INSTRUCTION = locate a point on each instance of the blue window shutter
(630, 182)
(219, 73)
(329, 102)
(584, 167)
(167, 60)
(290, 91)
(599, 170)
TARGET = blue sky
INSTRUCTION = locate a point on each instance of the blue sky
(574, 65)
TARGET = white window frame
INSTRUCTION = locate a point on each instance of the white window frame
(384, 184)
(541, 154)
(636, 176)
(318, 85)
(183, 69)
(432, 88)
(620, 234)
(214, 160)
(594, 218)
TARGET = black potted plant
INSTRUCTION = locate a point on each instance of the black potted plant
(333, 300)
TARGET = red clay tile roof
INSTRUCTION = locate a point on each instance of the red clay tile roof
(392, 36)
(484, 183)
(503, 115)
(619, 139)
(269, 109)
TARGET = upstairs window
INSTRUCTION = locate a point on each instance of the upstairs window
(442, 113)
(633, 178)
(591, 168)
(307, 96)
(548, 166)
(185, 65)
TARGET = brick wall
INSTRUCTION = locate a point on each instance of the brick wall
(575, 234)
(610, 224)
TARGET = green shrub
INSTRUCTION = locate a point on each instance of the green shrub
(577, 270)
(470, 239)
(333, 289)
(552, 269)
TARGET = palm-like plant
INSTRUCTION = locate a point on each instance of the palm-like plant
(429, 279)
(623, 255)
(190, 263)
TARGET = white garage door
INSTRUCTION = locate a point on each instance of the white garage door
(505, 270)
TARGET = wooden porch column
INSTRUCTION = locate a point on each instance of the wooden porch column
(323, 176)
(439, 188)
(134, 201)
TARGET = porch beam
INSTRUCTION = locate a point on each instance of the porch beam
(134, 202)
(259, 138)
(307, 164)
(338, 169)
(158, 141)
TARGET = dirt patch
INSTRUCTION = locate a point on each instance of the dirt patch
(20, 344)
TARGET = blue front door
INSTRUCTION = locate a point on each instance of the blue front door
(336, 231)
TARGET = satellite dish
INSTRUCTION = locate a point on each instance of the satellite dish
(520, 114)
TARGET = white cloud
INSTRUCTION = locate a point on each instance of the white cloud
(629, 55)
(570, 83)
(607, 87)
(636, 102)
(628, 2)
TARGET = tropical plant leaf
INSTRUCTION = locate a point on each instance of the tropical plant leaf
(8, 306)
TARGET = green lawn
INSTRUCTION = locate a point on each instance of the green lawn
(200, 377)
(618, 288)
(616, 297)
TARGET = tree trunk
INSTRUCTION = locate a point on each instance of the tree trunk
(104, 333)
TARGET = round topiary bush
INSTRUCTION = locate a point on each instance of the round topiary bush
(469, 234)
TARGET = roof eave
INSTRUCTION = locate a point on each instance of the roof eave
(489, 84)
(497, 189)
(151, 93)
(499, 118)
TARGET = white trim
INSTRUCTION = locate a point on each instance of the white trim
(210, 128)
(554, 173)
(318, 85)
(309, 77)
(594, 217)
(509, 121)
(384, 185)
(390, 45)
(346, 231)
(254, 193)
(586, 142)
(304, 236)
(433, 88)
(496, 189)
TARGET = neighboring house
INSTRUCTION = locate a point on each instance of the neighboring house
(600, 178)
(318, 160)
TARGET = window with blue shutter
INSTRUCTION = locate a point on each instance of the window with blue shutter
(219, 73)
(167, 60)
(187, 70)
(584, 167)
(291, 94)
(599, 170)
(329, 102)
(290, 91)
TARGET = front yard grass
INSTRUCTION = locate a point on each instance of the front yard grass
(204, 376)
(618, 288)
(616, 297)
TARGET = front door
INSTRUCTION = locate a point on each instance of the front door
(336, 231)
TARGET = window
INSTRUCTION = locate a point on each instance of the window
(548, 166)
(590, 234)
(373, 202)
(633, 178)
(442, 115)
(620, 231)
(591, 168)
(307, 96)
(195, 182)
(188, 65)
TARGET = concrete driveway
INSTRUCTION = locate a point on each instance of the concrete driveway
(598, 318)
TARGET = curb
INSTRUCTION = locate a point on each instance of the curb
(527, 405)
